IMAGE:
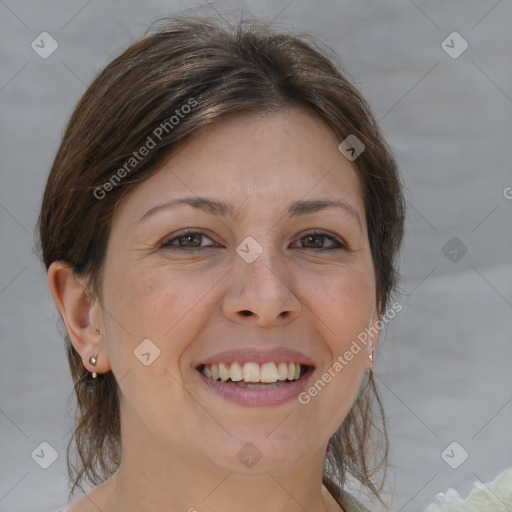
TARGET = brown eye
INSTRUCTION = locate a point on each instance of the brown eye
(193, 240)
(314, 241)
(189, 240)
(318, 241)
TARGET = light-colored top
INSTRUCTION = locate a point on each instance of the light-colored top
(347, 501)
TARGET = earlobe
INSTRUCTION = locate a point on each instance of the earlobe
(81, 314)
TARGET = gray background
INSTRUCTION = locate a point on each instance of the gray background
(445, 365)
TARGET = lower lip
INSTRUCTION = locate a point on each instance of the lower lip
(258, 397)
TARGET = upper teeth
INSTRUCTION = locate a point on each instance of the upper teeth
(252, 372)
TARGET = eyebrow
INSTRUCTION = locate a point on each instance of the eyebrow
(215, 207)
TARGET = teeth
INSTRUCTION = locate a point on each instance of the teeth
(223, 372)
(236, 372)
(253, 372)
(282, 371)
(268, 372)
(291, 371)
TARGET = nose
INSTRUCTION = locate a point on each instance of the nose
(261, 293)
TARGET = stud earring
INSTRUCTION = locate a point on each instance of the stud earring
(93, 361)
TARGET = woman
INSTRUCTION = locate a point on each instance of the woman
(220, 227)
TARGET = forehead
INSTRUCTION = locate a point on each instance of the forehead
(254, 161)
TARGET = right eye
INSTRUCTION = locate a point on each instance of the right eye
(188, 240)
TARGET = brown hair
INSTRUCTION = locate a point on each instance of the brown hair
(217, 70)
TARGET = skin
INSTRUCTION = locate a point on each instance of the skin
(190, 305)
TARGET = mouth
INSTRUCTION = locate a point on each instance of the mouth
(254, 375)
(251, 384)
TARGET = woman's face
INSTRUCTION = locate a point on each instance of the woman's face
(230, 248)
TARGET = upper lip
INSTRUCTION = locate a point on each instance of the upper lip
(258, 355)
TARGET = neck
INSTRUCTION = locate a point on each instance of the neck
(228, 493)
(152, 479)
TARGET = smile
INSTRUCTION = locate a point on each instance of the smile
(251, 372)
(251, 384)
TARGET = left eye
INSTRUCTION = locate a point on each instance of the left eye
(317, 240)
(190, 240)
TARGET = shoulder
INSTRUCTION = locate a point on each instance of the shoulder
(81, 504)
(95, 500)
(350, 504)
(344, 499)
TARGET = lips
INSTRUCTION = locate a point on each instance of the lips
(256, 377)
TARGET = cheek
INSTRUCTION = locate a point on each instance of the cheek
(343, 303)
(342, 306)
(153, 303)
(148, 330)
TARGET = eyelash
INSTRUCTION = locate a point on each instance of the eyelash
(167, 244)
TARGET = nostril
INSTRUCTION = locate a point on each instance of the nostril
(246, 312)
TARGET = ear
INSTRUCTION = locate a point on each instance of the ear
(82, 314)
